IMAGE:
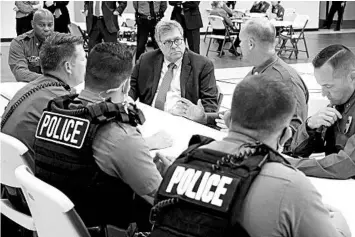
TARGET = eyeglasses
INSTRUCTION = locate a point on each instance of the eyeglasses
(169, 43)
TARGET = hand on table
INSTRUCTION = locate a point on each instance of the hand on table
(189, 110)
(159, 140)
(324, 117)
(338, 220)
(162, 162)
(223, 121)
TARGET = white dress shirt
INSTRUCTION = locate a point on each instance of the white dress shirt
(99, 2)
(174, 92)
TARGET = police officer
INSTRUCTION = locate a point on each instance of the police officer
(331, 129)
(117, 161)
(148, 13)
(258, 47)
(63, 62)
(24, 50)
(199, 195)
(337, 6)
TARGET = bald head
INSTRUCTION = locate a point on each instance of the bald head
(261, 30)
(43, 24)
(42, 13)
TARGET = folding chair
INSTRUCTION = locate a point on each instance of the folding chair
(74, 29)
(52, 210)
(11, 151)
(219, 98)
(300, 22)
(218, 23)
(208, 28)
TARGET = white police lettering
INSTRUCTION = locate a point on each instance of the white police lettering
(66, 130)
(184, 181)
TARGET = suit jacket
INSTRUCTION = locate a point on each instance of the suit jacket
(191, 17)
(62, 5)
(197, 80)
(108, 7)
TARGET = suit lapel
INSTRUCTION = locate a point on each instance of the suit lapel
(158, 64)
(185, 73)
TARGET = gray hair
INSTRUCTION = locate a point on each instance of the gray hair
(261, 29)
(165, 26)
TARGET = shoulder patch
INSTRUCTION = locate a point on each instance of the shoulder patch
(62, 129)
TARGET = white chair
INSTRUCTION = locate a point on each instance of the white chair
(300, 24)
(11, 151)
(217, 23)
(289, 14)
(52, 211)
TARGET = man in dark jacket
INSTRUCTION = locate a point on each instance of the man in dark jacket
(61, 15)
(189, 17)
(101, 20)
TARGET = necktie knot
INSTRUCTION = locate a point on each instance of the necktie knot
(171, 66)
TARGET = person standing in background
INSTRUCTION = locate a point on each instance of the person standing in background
(24, 14)
(189, 16)
(277, 10)
(101, 20)
(61, 15)
(148, 14)
(337, 6)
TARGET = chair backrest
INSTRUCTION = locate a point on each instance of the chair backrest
(300, 22)
(11, 151)
(216, 22)
(289, 14)
(74, 29)
(52, 211)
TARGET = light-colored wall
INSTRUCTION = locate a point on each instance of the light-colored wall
(311, 8)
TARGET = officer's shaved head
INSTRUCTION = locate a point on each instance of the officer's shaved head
(262, 105)
(261, 30)
(42, 13)
(43, 24)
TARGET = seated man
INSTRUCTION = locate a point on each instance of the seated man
(173, 78)
(24, 58)
(117, 161)
(203, 192)
(63, 62)
(277, 11)
(258, 47)
(331, 129)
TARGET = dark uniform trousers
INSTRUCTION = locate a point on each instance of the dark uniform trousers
(99, 32)
(336, 7)
(144, 28)
(23, 24)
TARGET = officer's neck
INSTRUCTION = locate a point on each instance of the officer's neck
(263, 57)
(61, 76)
(237, 133)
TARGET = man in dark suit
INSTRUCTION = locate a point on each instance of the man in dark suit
(173, 78)
(61, 15)
(189, 17)
(101, 20)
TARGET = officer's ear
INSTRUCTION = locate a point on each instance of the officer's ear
(68, 67)
(251, 43)
(352, 75)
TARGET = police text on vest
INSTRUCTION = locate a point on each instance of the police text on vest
(62, 129)
(185, 181)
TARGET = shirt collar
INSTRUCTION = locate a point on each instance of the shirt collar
(261, 68)
(346, 106)
(89, 96)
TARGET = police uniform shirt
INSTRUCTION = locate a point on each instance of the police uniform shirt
(24, 57)
(120, 151)
(142, 7)
(280, 70)
(338, 142)
(281, 200)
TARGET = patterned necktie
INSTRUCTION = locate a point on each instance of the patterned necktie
(97, 8)
(164, 87)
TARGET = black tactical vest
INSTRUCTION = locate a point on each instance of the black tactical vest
(203, 191)
(64, 158)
